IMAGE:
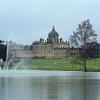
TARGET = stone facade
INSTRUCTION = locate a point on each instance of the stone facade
(50, 50)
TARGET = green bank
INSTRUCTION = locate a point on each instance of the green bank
(63, 65)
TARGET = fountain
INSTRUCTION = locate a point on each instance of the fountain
(12, 62)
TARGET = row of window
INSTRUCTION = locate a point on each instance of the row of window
(59, 54)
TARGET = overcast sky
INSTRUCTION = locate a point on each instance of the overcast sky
(24, 21)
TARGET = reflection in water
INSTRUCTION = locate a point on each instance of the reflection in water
(50, 88)
(92, 89)
(2, 89)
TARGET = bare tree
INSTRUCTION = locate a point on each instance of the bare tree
(83, 35)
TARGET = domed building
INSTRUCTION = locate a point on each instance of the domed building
(53, 47)
(53, 36)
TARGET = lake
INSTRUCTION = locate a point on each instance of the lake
(49, 85)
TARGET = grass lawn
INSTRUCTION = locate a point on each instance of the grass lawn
(93, 65)
(54, 64)
(64, 64)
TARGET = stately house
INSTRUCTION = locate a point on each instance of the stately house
(53, 47)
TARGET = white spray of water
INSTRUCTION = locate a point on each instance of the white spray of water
(12, 63)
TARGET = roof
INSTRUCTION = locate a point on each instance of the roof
(53, 33)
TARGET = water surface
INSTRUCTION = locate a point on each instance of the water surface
(49, 86)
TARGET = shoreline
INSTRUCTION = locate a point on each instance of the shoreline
(47, 74)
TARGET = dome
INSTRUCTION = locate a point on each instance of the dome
(53, 33)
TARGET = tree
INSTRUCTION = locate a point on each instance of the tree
(3, 49)
(83, 35)
(1, 41)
